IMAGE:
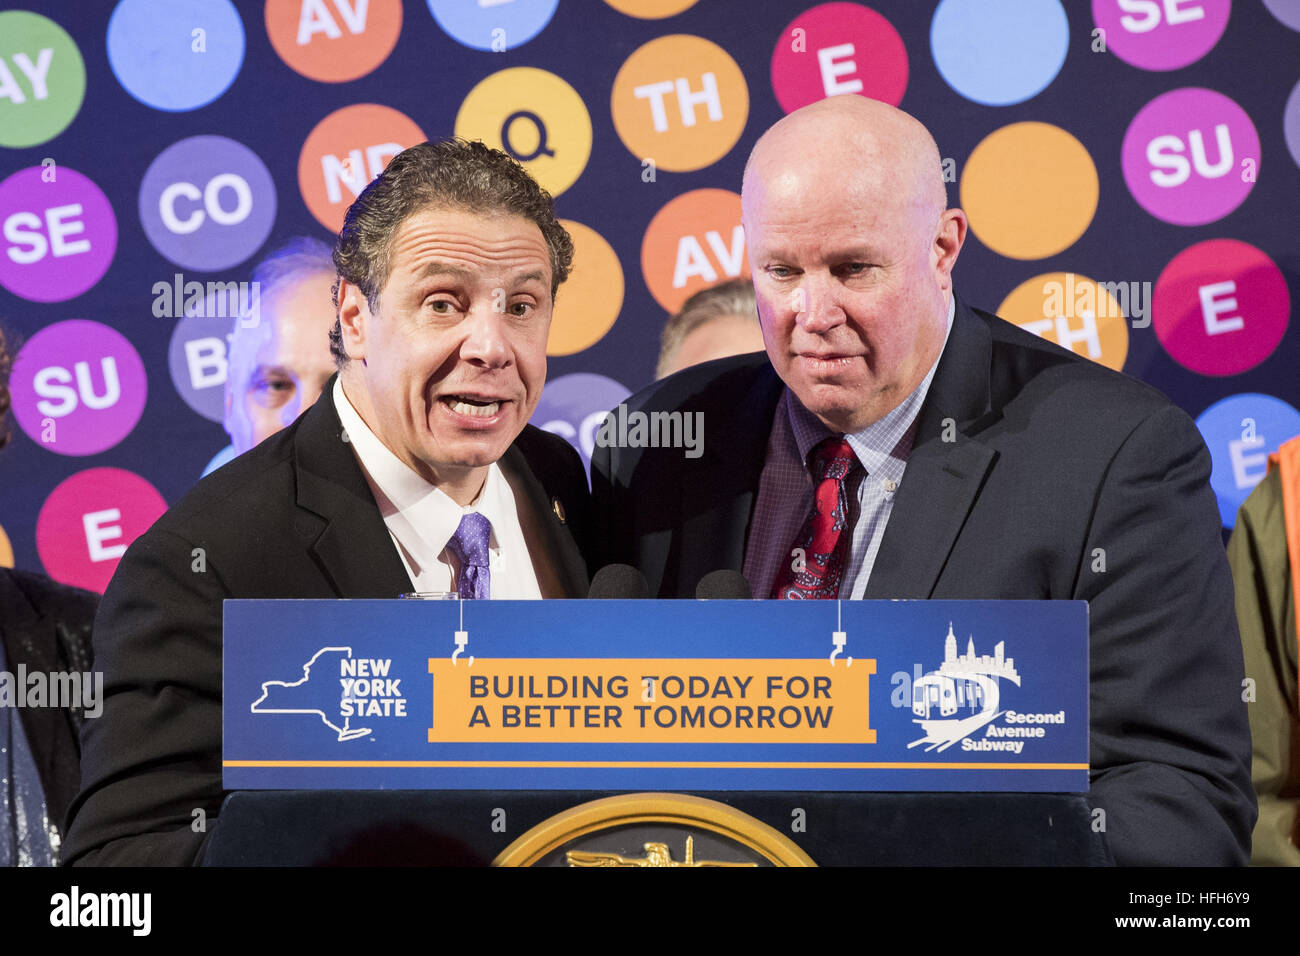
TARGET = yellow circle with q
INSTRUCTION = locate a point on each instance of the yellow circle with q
(1074, 312)
(680, 102)
(589, 302)
(6, 551)
(651, 9)
(534, 116)
(1030, 190)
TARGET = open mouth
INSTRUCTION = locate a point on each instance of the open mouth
(474, 407)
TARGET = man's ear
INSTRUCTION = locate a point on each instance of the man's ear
(947, 244)
(354, 319)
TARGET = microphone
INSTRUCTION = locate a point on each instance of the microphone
(619, 581)
(724, 585)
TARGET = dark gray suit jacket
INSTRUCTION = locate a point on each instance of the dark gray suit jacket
(292, 518)
(1032, 470)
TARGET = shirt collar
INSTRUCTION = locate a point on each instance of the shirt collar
(887, 437)
(426, 517)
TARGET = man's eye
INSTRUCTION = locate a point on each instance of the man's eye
(275, 385)
(855, 268)
(778, 272)
(521, 308)
(442, 306)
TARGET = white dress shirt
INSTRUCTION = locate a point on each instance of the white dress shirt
(421, 518)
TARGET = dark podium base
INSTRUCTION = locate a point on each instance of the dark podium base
(455, 828)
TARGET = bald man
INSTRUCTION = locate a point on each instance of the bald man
(965, 459)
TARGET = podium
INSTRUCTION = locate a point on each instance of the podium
(454, 828)
(820, 723)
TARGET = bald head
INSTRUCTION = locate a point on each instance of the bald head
(862, 148)
(852, 249)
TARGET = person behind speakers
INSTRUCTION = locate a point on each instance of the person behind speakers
(713, 323)
(279, 360)
(894, 442)
(414, 471)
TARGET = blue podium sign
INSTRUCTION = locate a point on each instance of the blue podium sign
(656, 695)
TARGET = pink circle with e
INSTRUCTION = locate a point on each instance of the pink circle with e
(58, 233)
(78, 387)
(1220, 307)
(88, 521)
(1161, 36)
(1190, 156)
(838, 48)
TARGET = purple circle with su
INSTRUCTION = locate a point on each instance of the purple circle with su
(78, 387)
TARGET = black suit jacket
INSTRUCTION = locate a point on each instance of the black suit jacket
(1034, 474)
(292, 518)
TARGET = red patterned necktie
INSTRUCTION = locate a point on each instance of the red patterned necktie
(813, 567)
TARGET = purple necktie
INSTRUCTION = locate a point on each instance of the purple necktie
(470, 546)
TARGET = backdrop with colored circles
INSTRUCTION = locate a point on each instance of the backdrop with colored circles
(1130, 168)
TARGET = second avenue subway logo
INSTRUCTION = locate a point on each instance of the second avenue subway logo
(336, 687)
(954, 702)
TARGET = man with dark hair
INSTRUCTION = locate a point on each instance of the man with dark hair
(897, 443)
(415, 471)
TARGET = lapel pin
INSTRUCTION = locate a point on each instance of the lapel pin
(558, 508)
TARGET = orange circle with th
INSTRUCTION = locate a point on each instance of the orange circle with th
(1077, 313)
(693, 242)
(651, 9)
(1029, 190)
(589, 302)
(333, 42)
(345, 151)
(680, 102)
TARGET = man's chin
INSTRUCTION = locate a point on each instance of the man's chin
(473, 449)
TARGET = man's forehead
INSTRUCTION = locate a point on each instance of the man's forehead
(458, 243)
(454, 225)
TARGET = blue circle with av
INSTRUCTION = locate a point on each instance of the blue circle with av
(494, 25)
(175, 55)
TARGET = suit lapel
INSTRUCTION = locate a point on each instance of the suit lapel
(713, 537)
(945, 471)
(347, 535)
(538, 515)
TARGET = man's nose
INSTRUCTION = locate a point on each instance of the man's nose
(816, 308)
(485, 337)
